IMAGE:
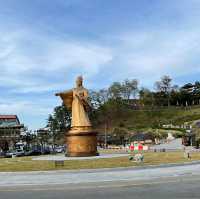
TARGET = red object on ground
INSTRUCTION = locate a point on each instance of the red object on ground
(140, 147)
(132, 148)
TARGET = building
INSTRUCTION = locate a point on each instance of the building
(142, 138)
(10, 131)
(43, 136)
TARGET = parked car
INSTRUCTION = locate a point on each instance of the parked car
(46, 151)
(2, 154)
(9, 154)
(33, 152)
(19, 153)
(16, 153)
(59, 149)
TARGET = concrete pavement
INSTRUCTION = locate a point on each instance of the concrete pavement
(183, 187)
(172, 145)
(173, 182)
(95, 176)
(63, 157)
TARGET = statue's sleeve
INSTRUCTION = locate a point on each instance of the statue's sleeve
(67, 98)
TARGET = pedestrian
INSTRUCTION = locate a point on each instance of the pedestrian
(187, 153)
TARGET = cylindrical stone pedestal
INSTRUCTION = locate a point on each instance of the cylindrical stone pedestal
(81, 144)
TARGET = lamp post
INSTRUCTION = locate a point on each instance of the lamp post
(105, 135)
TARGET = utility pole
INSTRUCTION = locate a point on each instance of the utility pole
(105, 135)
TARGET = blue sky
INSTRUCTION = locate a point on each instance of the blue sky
(46, 44)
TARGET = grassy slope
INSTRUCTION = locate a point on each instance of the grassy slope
(141, 119)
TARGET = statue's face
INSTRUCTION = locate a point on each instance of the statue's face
(79, 82)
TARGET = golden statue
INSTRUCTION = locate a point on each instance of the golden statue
(77, 100)
(81, 140)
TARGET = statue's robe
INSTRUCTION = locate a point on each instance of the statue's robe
(77, 100)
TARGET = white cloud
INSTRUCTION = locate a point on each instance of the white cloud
(86, 57)
(34, 108)
(28, 64)
(22, 59)
(27, 59)
(31, 114)
(149, 55)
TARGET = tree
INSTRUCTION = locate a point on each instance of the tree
(175, 98)
(115, 90)
(63, 117)
(98, 98)
(196, 92)
(52, 123)
(164, 86)
(120, 135)
(59, 122)
(129, 88)
(186, 93)
(146, 97)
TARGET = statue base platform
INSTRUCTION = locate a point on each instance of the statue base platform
(81, 143)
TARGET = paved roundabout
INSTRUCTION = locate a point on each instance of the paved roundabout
(63, 157)
(161, 182)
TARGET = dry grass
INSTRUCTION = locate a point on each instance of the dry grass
(150, 158)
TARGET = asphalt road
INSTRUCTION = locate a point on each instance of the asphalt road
(187, 188)
(172, 182)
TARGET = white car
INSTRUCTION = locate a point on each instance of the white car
(16, 153)
(59, 149)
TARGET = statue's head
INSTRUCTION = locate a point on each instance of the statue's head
(79, 81)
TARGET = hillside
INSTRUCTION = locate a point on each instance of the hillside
(152, 118)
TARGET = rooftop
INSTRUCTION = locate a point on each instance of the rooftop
(9, 120)
(8, 117)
